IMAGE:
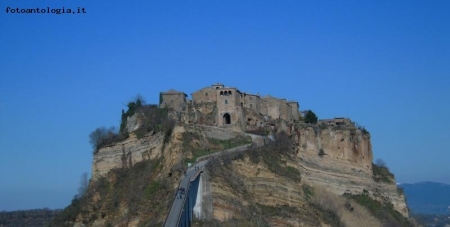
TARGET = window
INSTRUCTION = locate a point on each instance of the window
(206, 94)
(221, 93)
(226, 101)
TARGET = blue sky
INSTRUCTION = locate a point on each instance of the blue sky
(384, 64)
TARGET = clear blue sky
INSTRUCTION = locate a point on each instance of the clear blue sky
(384, 64)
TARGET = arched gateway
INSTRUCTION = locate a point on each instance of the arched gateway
(226, 119)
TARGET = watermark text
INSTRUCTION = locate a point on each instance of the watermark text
(45, 10)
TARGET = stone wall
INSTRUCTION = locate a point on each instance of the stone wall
(203, 95)
(278, 108)
(250, 101)
(295, 110)
(174, 100)
(231, 107)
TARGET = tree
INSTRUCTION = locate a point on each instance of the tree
(310, 117)
(380, 163)
(139, 100)
(102, 136)
(84, 184)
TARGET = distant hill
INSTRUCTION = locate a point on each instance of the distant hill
(427, 197)
(29, 218)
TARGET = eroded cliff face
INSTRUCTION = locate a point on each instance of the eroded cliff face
(336, 159)
(151, 146)
(340, 159)
(126, 153)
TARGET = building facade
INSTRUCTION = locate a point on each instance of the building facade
(231, 105)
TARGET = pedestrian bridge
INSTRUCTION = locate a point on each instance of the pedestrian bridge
(181, 212)
(197, 190)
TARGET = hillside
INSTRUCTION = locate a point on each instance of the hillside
(427, 197)
(310, 175)
(282, 185)
(29, 218)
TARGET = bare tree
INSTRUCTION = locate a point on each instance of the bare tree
(102, 136)
(380, 163)
(84, 184)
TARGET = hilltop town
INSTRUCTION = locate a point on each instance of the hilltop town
(218, 105)
(233, 151)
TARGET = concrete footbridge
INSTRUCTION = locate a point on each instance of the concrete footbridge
(191, 201)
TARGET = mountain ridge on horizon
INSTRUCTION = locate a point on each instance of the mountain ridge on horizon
(427, 197)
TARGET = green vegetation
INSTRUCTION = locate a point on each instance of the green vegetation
(381, 172)
(102, 136)
(321, 152)
(197, 145)
(154, 120)
(284, 211)
(152, 188)
(310, 117)
(324, 204)
(138, 189)
(329, 216)
(31, 218)
(275, 156)
(151, 119)
(382, 210)
(259, 131)
(307, 191)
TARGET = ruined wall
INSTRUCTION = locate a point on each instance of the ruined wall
(285, 110)
(276, 108)
(252, 102)
(177, 101)
(253, 120)
(270, 107)
(295, 114)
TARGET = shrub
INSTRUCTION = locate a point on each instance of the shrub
(382, 210)
(382, 173)
(274, 156)
(310, 117)
(102, 136)
(321, 152)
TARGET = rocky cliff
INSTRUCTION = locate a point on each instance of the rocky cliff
(340, 159)
(298, 180)
(328, 161)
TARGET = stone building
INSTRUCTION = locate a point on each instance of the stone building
(206, 94)
(250, 101)
(173, 99)
(277, 108)
(337, 121)
(295, 114)
(223, 105)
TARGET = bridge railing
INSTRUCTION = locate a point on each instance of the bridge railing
(229, 151)
(207, 157)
